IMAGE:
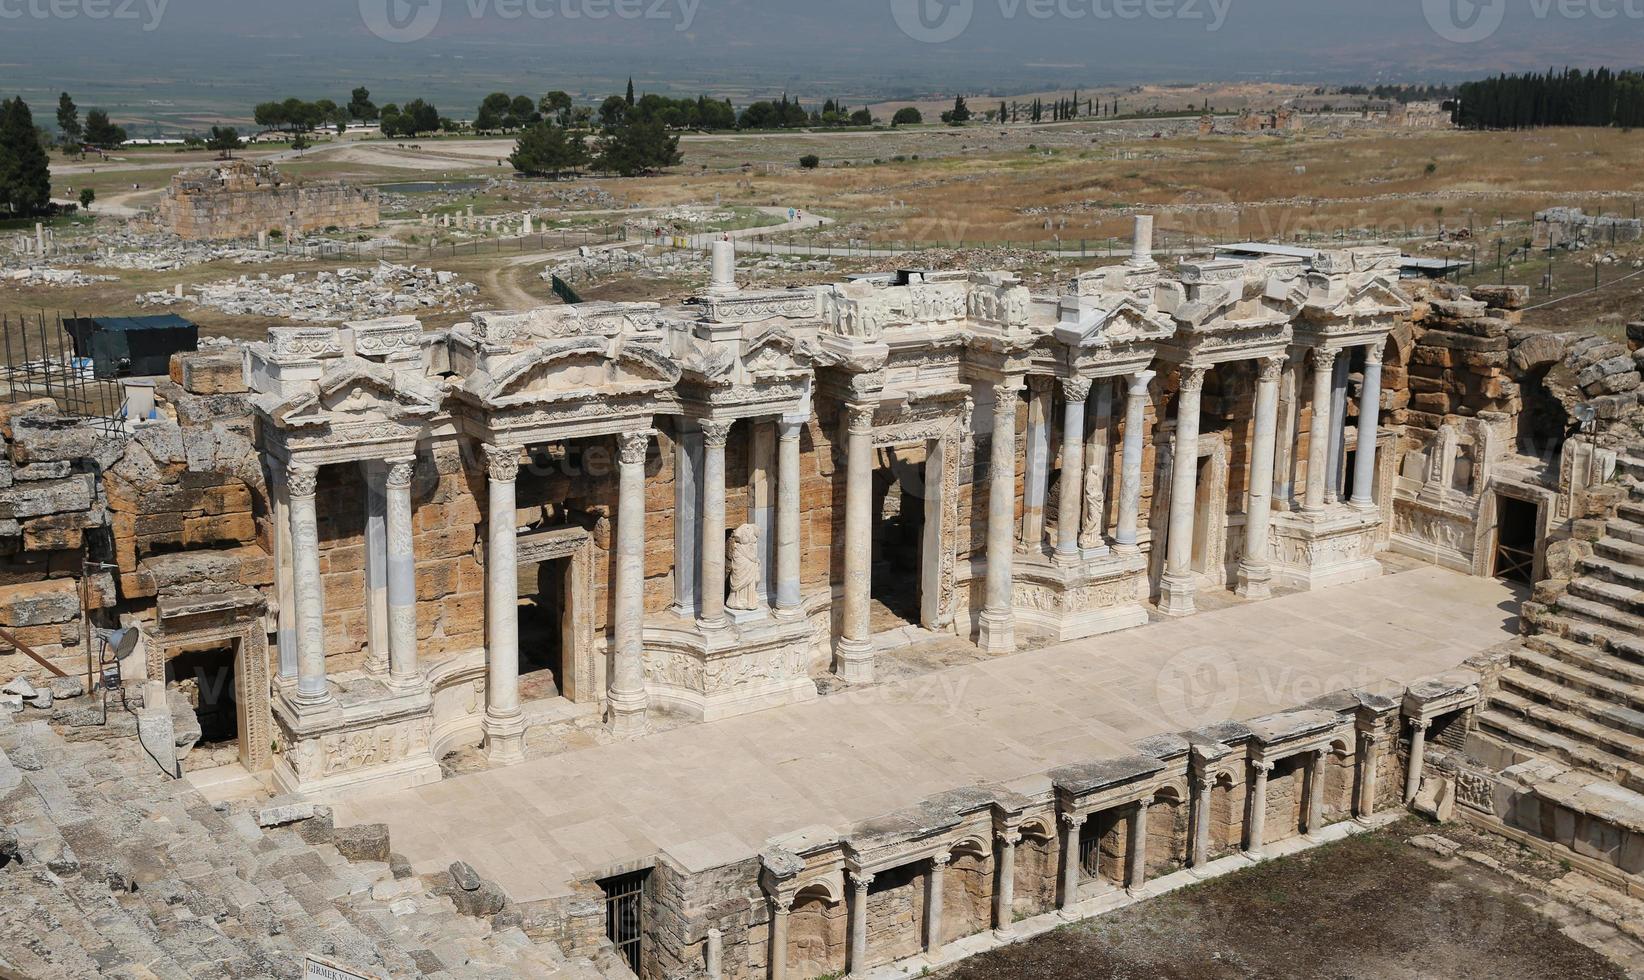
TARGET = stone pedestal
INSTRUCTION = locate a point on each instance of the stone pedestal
(1333, 547)
(1093, 596)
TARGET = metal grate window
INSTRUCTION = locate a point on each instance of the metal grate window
(625, 914)
(1090, 851)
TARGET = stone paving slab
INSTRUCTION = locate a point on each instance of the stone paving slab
(707, 791)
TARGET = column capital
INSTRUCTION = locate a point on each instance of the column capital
(1076, 389)
(1262, 767)
(502, 463)
(860, 879)
(633, 447)
(1193, 378)
(301, 479)
(1070, 819)
(781, 904)
(860, 419)
(1009, 838)
(1040, 383)
(1272, 368)
(1375, 351)
(1140, 381)
(1005, 394)
(941, 860)
(715, 432)
(1324, 358)
(400, 471)
(788, 428)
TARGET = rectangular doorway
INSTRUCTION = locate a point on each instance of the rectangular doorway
(209, 679)
(544, 628)
(625, 915)
(898, 538)
(1516, 524)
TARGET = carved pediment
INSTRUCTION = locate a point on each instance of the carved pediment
(1365, 296)
(1120, 318)
(577, 368)
(357, 390)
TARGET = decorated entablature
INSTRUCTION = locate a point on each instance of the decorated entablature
(748, 353)
(1352, 297)
(1228, 310)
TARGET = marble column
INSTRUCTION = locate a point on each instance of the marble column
(1071, 825)
(1318, 435)
(284, 579)
(309, 589)
(1136, 852)
(375, 543)
(859, 924)
(788, 600)
(998, 632)
(1127, 538)
(779, 938)
(504, 722)
(687, 505)
(1418, 754)
(1255, 567)
(854, 652)
(1004, 897)
(1369, 761)
(1315, 792)
(1098, 456)
(1176, 592)
(1203, 787)
(1070, 505)
(1364, 460)
(933, 905)
(1256, 829)
(715, 433)
(1284, 490)
(1338, 430)
(628, 698)
(1036, 471)
(402, 574)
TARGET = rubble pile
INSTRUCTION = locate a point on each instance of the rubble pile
(160, 252)
(40, 276)
(346, 294)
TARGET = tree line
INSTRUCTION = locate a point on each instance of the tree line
(1572, 97)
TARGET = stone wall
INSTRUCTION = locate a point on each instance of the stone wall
(240, 200)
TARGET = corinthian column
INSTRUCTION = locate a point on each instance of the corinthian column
(1069, 519)
(504, 722)
(1318, 435)
(1128, 537)
(859, 923)
(933, 905)
(1176, 593)
(1004, 906)
(998, 634)
(402, 575)
(1203, 786)
(628, 700)
(1364, 462)
(788, 600)
(301, 481)
(1255, 570)
(1256, 829)
(1136, 853)
(779, 938)
(715, 433)
(855, 648)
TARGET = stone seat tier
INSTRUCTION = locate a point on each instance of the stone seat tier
(1617, 549)
(1587, 656)
(1594, 611)
(1628, 646)
(1626, 530)
(1575, 674)
(1515, 729)
(1586, 696)
(1632, 510)
(1573, 728)
(1622, 598)
(1619, 574)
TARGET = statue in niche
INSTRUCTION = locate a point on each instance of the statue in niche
(744, 569)
(1091, 530)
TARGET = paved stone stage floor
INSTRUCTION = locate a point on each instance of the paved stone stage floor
(717, 792)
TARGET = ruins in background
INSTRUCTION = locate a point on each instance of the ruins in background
(240, 199)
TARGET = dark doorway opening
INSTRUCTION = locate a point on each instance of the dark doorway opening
(898, 537)
(1515, 540)
(208, 679)
(544, 614)
(625, 915)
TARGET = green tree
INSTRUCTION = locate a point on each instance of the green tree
(630, 99)
(638, 148)
(959, 114)
(390, 120)
(25, 172)
(87, 196)
(101, 133)
(224, 140)
(547, 150)
(613, 111)
(810, 161)
(68, 122)
(361, 107)
(907, 116)
(419, 117)
(556, 105)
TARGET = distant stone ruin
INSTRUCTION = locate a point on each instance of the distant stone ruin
(238, 199)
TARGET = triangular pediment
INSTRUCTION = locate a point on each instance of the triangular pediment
(357, 389)
(579, 368)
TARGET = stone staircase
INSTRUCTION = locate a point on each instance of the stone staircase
(109, 869)
(1574, 691)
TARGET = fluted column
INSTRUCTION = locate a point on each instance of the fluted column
(504, 722)
(998, 633)
(859, 924)
(1098, 456)
(1203, 786)
(402, 574)
(1071, 825)
(715, 433)
(1364, 462)
(933, 905)
(788, 599)
(1136, 853)
(1418, 754)
(854, 653)
(1176, 592)
(1070, 505)
(1127, 540)
(378, 660)
(1315, 792)
(1256, 830)
(628, 698)
(1369, 762)
(309, 589)
(1004, 902)
(1255, 568)
(1318, 436)
(779, 938)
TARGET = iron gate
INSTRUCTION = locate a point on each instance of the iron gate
(625, 914)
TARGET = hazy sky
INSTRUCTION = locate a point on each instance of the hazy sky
(876, 47)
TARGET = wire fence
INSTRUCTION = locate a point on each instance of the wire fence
(40, 361)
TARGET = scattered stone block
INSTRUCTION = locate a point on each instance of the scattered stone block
(465, 877)
(285, 813)
(366, 842)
